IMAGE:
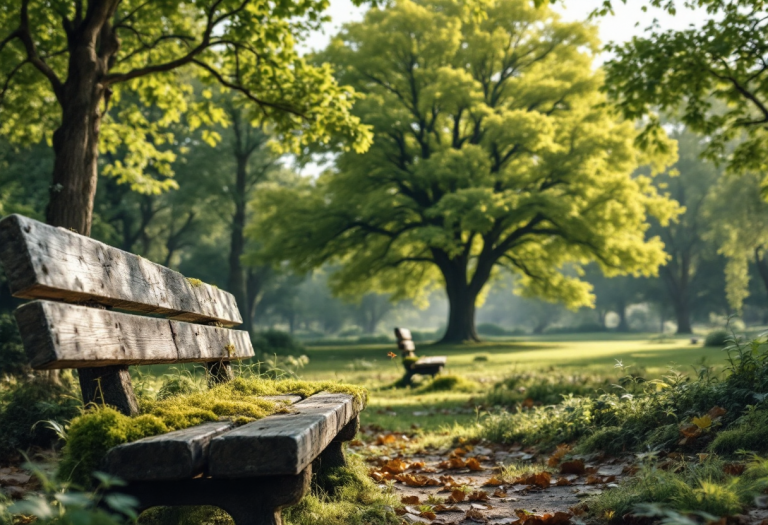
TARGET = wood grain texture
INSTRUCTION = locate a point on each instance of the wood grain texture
(176, 455)
(57, 335)
(403, 334)
(406, 345)
(44, 262)
(283, 443)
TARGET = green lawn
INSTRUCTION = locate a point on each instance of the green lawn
(401, 410)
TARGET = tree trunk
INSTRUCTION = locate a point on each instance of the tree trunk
(461, 318)
(683, 317)
(237, 281)
(621, 308)
(76, 145)
(762, 266)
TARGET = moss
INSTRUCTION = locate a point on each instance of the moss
(196, 283)
(96, 431)
(408, 362)
(748, 434)
(449, 383)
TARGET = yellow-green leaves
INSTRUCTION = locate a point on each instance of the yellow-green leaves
(493, 148)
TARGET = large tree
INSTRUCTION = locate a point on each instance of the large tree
(63, 62)
(492, 149)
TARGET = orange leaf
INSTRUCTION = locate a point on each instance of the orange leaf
(563, 482)
(498, 493)
(734, 469)
(593, 480)
(475, 515)
(443, 508)
(453, 463)
(474, 464)
(493, 481)
(410, 500)
(428, 515)
(717, 412)
(690, 431)
(386, 439)
(558, 455)
(456, 496)
(416, 465)
(400, 511)
(395, 466)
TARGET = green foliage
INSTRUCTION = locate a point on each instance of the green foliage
(100, 428)
(503, 156)
(748, 433)
(158, 53)
(275, 342)
(717, 338)
(712, 75)
(344, 496)
(448, 383)
(697, 487)
(56, 503)
(13, 360)
(26, 407)
(548, 388)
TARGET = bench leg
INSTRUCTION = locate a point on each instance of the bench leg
(250, 501)
(333, 455)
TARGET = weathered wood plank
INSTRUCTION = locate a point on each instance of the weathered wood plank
(44, 262)
(57, 335)
(403, 334)
(283, 443)
(176, 455)
(431, 361)
(406, 345)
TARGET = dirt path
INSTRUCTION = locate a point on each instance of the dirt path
(474, 483)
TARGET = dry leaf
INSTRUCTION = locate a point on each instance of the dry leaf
(476, 515)
(456, 496)
(453, 463)
(717, 412)
(593, 480)
(493, 481)
(498, 493)
(416, 465)
(734, 469)
(395, 466)
(387, 439)
(474, 464)
(443, 508)
(558, 455)
(478, 495)
(573, 467)
(410, 500)
(563, 482)
(400, 511)
(428, 515)
(416, 481)
(542, 480)
(690, 431)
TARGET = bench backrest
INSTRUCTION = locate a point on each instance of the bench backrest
(405, 342)
(81, 280)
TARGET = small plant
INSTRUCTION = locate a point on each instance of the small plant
(717, 338)
(195, 283)
(449, 383)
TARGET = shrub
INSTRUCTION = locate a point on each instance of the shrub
(491, 329)
(13, 360)
(717, 338)
(374, 339)
(275, 342)
(25, 405)
(748, 433)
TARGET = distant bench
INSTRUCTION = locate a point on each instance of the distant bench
(430, 366)
(251, 471)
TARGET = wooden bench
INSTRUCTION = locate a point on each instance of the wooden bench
(429, 366)
(77, 285)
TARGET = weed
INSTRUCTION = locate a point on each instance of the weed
(448, 383)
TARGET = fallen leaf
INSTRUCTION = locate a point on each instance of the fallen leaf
(563, 482)
(493, 481)
(410, 500)
(476, 515)
(573, 467)
(691, 431)
(498, 493)
(444, 508)
(356, 443)
(558, 455)
(734, 469)
(474, 464)
(542, 480)
(702, 422)
(717, 412)
(387, 439)
(416, 481)
(453, 463)
(395, 466)
(593, 480)
(479, 495)
(428, 515)
(456, 496)
(400, 511)
(458, 452)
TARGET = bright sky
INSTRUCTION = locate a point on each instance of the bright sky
(616, 28)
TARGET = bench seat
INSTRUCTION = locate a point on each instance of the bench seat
(280, 444)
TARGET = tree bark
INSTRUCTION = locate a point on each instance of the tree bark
(621, 308)
(237, 280)
(683, 317)
(461, 317)
(762, 266)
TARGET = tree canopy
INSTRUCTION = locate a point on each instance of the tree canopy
(63, 64)
(714, 77)
(493, 149)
